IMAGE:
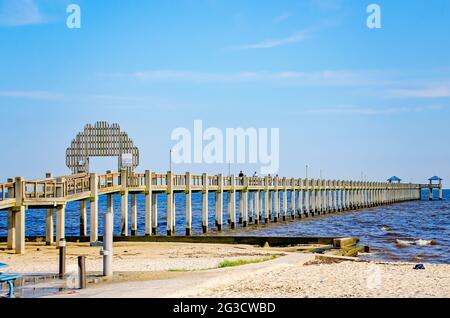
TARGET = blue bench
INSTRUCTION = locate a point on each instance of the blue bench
(9, 279)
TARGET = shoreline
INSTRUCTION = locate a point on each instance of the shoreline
(188, 270)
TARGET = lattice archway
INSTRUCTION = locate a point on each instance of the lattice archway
(101, 140)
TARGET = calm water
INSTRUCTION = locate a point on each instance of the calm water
(380, 228)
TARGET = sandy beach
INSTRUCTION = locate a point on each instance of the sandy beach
(191, 270)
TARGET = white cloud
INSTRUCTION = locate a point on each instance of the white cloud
(19, 12)
(318, 78)
(268, 44)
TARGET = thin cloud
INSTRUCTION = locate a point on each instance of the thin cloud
(20, 12)
(327, 4)
(268, 44)
(431, 92)
(35, 95)
(282, 17)
(368, 111)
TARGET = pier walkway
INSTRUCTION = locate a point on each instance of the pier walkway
(249, 200)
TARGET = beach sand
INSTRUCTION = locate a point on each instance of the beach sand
(190, 270)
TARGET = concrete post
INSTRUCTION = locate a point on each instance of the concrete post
(307, 198)
(232, 209)
(219, 203)
(60, 222)
(188, 192)
(108, 228)
(170, 204)
(266, 201)
(285, 206)
(430, 193)
(276, 201)
(17, 227)
(49, 224)
(154, 213)
(133, 215)
(241, 204)
(124, 202)
(300, 209)
(83, 218)
(94, 208)
(205, 203)
(148, 202)
(257, 202)
(440, 190)
(293, 199)
(11, 230)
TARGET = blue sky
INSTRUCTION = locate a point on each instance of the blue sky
(347, 99)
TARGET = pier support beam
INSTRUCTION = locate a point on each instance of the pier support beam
(232, 203)
(148, 202)
(49, 223)
(19, 221)
(266, 201)
(94, 208)
(83, 218)
(60, 222)
(430, 194)
(154, 213)
(11, 245)
(170, 205)
(205, 203)
(133, 215)
(124, 203)
(188, 192)
(244, 194)
(219, 204)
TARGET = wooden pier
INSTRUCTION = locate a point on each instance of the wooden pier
(261, 199)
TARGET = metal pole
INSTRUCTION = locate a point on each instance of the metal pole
(82, 271)
(107, 251)
(62, 258)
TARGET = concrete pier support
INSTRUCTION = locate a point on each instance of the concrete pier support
(276, 201)
(16, 219)
(11, 244)
(83, 218)
(257, 202)
(188, 192)
(219, 204)
(241, 205)
(19, 221)
(245, 208)
(307, 198)
(49, 224)
(430, 194)
(285, 205)
(205, 203)
(154, 213)
(60, 222)
(170, 214)
(124, 203)
(133, 214)
(93, 208)
(440, 194)
(293, 202)
(300, 209)
(148, 202)
(251, 206)
(266, 201)
(232, 203)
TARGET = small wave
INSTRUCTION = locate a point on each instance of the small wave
(425, 242)
(404, 242)
(419, 242)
